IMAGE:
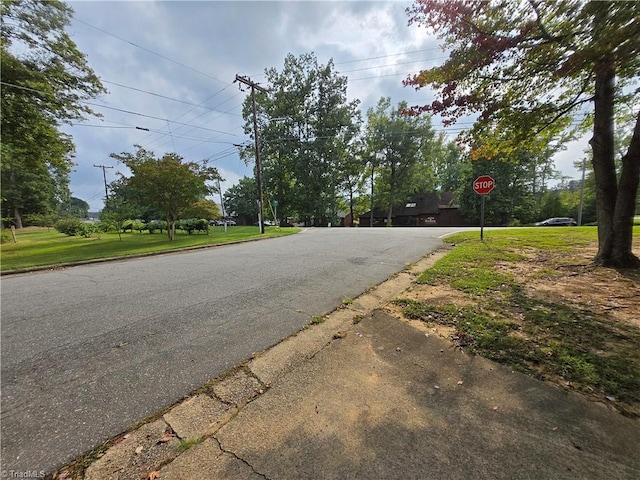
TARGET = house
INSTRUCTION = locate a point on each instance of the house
(421, 210)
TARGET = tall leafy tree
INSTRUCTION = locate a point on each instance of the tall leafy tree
(402, 144)
(45, 80)
(167, 182)
(240, 200)
(534, 66)
(305, 126)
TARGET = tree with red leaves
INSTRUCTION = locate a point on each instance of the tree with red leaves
(535, 69)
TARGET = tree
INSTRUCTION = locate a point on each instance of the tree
(45, 81)
(305, 126)
(167, 182)
(75, 207)
(240, 200)
(402, 145)
(535, 67)
(203, 209)
(117, 212)
(352, 167)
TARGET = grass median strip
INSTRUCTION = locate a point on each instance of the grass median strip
(37, 247)
(531, 301)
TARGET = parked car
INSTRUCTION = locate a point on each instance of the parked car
(557, 222)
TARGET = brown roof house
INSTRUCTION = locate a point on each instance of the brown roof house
(421, 210)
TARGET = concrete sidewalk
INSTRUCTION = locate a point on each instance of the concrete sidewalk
(366, 395)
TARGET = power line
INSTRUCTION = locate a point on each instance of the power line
(158, 118)
(147, 50)
(200, 105)
(387, 56)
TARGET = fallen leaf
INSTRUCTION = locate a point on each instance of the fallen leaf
(166, 438)
(139, 449)
(153, 475)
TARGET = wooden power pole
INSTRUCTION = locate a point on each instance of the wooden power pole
(254, 86)
(106, 190)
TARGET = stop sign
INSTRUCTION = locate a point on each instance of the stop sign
(483, 185)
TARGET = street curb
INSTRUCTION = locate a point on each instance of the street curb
(196, 418)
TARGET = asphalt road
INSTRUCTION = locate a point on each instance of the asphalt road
(88, 351)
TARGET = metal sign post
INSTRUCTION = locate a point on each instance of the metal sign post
(483, 185)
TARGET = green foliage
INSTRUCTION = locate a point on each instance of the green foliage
(240, 200)
(88, 230)
(75, 207)
(5, 235)
(39, 220)
(167, 183)
(305, 127)
(203, 209)
(69, 226)
(159, 225)
(191, 225)
(117, 213)
(403, 148)
(511, 64)
(46, 80)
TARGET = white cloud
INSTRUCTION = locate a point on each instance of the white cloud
(191, 51)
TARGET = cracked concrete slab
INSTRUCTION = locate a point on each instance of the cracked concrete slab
(208, 461)
(135, 455)
(198, 416)
(387, 401)
(237, 389)
(275, 362)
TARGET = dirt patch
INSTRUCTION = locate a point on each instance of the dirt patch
(568, 322)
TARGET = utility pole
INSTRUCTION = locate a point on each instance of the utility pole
(106, 190)
(584, 166)
(224, 214)
(254, 86)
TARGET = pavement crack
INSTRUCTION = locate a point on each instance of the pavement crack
(240, 459)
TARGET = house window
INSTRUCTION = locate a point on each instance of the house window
(410, 205)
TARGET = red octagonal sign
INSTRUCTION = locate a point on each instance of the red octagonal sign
(483, 185)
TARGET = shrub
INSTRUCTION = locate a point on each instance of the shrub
(38, 220)
(156, 225)
(6, 236)
(88, 230)
(69, 226)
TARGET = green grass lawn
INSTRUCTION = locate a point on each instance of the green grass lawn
(567, 341)
(37, 247)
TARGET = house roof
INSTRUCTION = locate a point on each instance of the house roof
(420, 204)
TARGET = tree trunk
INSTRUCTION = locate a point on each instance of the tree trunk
(171, 229)
(614, 206)
(371, 213)
(621, 253)
(350, 206)
(391, 195)
(17, 218)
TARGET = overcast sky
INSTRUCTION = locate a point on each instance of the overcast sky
(169, 67)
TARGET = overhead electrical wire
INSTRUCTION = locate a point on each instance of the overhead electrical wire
(157, 118)
(148, 50)
(200, 105)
